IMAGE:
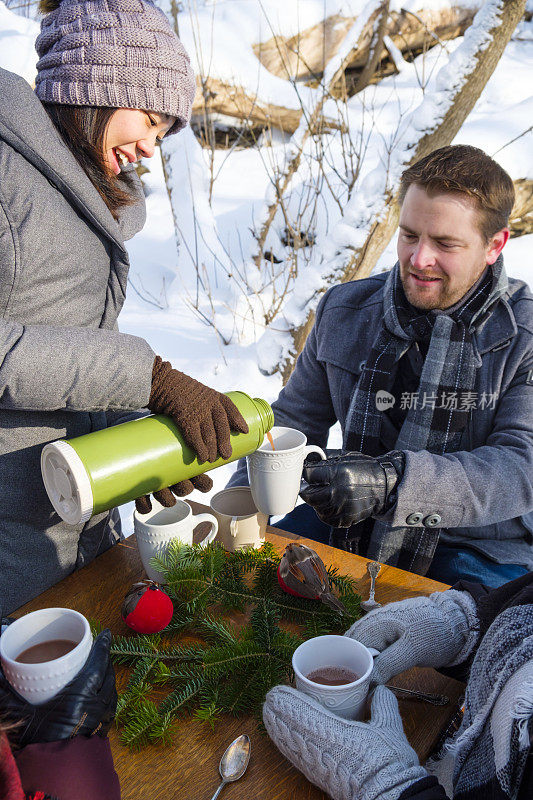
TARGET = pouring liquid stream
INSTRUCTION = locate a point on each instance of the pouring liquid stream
(271, 440)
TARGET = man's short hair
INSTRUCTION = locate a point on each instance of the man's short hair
(467, 170)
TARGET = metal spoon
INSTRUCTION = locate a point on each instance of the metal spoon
(426, 697)
(234, 762)
(373, 568)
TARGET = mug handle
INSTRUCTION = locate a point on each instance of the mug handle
(313, 448)
(214, 527)
(373, 652)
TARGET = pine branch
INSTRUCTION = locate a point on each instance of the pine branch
(179, 624)
(208, 713)
(177, 556)
(315, 626)
(145, 726)
(127, 649)
(264, 619)
(96, 627)
(233, 668)
(343, 583)
(182, 696)
(130, 701)
(227, 659)
(140, 672)
(215, 630)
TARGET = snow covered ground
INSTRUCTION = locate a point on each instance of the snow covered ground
(161, 273)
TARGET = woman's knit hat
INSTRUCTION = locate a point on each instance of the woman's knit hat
(115, 53)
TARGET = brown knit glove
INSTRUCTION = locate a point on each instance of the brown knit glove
(204, 416)
(166, 496)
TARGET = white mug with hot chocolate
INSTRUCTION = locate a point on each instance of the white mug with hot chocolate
(335, 671)
(275, 469)
(43, 651)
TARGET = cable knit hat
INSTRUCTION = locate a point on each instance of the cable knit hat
(115, 53)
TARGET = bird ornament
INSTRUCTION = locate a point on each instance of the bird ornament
(301, 572)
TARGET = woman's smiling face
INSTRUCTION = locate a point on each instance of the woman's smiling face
(133, 134)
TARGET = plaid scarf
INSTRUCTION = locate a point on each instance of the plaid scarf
(436, 424)
(493, 742)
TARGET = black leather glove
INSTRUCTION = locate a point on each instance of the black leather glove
(347, 488)
(85, 706)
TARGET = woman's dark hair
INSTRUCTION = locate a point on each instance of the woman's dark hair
(83, 129)
(48, 5)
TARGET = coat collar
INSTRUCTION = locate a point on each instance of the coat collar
(499, 328)
(25, 126)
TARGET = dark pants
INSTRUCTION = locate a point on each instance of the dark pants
(304, 521)
(449, 565)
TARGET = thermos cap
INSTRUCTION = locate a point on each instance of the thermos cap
(67, 482)
(265, 412)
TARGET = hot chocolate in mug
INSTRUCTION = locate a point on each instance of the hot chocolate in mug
(343, 653)
(28, 647)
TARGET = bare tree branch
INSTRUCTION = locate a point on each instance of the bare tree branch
(481, 49)
(308, 127)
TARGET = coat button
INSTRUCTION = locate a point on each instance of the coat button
(415, 518)
(432, 520)
(362, 365)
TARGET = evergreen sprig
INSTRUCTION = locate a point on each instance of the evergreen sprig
(231, 667)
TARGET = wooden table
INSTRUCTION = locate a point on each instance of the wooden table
(188, 769)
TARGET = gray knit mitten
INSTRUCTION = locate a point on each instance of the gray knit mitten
(435, 631)
(348, 760)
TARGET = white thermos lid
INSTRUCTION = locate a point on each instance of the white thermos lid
(67, 482)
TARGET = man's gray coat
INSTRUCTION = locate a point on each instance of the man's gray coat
(65, 370)
(483, 493)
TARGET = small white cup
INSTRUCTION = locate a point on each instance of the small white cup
(347, 700)
(276, 475)
(37, 683)
(155, 531)
(240, 524)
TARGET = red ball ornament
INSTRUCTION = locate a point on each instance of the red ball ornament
(146, 608)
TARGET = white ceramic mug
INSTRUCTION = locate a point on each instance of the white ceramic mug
(276, 475)
(37, 683)
(348, 700)
(155, 531)
(240, 524)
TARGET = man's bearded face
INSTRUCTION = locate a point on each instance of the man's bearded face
(441, 250)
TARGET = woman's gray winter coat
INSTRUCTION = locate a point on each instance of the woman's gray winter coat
(65, 370)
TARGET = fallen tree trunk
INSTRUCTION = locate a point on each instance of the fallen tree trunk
(521, 221)
(473, 64)
(305, 55)
(218, 97)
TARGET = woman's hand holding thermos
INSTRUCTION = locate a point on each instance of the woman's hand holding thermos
(204, 416)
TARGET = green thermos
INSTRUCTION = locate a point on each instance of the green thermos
(101, 470)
